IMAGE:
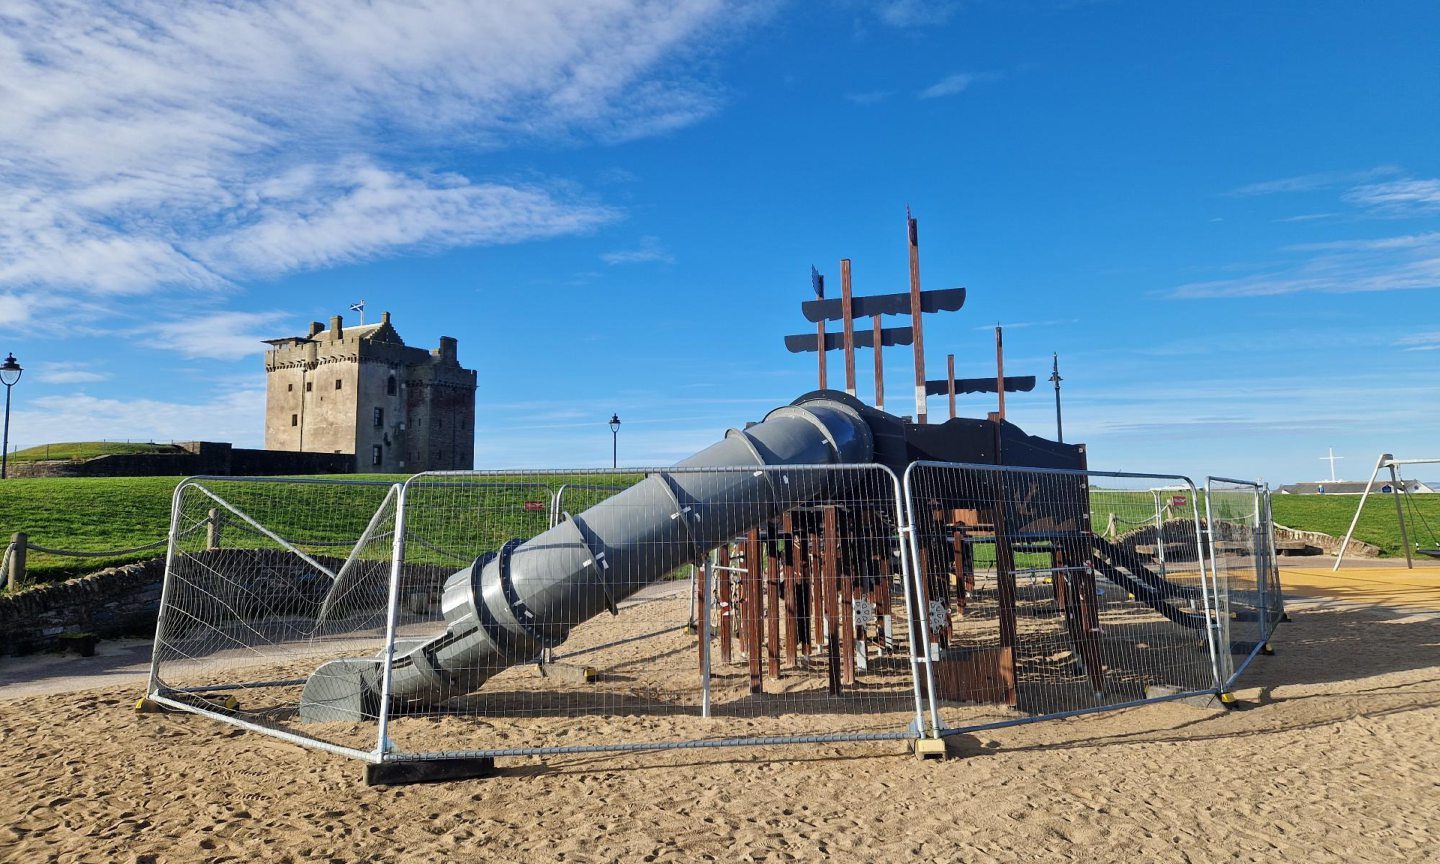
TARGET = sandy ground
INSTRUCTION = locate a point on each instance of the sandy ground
(1332, 758)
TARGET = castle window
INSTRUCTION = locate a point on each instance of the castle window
(390, 386)
(290, 388)
(309, 386)
(294, 419)
(337, 383)
(375, 454)
(379, 417)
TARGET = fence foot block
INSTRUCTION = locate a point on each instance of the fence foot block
(427, 771)
(929, 748)
(146, 705)
(570, 673)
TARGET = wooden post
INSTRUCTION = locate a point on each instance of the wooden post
(1088, 600)
(727, 605)
(846, 566)
(815, 593)
(849, 320)
(19, 547)
(820, 330)
(1000, 370)
(772, 608)
(879, 365)
(212, 529)
(830, 582)
(950, 377)
(913, 234)
(792, 590)
(754, 607)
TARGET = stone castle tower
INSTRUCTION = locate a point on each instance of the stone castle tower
(362, 390)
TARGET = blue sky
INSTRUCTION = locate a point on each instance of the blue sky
(1224, 217)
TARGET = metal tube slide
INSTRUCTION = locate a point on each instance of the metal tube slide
(509, 605)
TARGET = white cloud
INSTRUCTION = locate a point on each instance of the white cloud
(150, 145)
(953, 84)
(237, 417)
(649, 249)
(221, 335)
(1311, 182)
(915, 13)
(1345, 268)
(1400, 197)
(68, 373)
(869, 97)
(1404, 262)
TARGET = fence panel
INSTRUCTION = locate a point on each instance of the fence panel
(266, 580)
(1051, 592)
(1243, 562)
(673, 607)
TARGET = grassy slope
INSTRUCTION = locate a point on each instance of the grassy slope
(95, 514)
(87, 450)
(1331, 514)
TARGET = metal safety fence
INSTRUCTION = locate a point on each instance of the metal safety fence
(456, 619)
(1244, 566)
(477, 614)
(1039, 607)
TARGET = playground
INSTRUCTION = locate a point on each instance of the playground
(1332, 758)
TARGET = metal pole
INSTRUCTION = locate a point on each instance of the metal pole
(849, 321)
(1056, 379)
(1340, 556)
(913, 235)
(614, 448)
(950, 381)
(1000, 369)
(705, 602)
(5, 446)
(879, 366)
(1400, 513)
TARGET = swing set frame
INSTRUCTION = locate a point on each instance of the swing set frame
(1397, 483)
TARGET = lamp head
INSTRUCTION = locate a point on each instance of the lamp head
(614, 422)
(10, 370)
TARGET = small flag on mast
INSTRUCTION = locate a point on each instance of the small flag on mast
(359, 307)
(817, 282)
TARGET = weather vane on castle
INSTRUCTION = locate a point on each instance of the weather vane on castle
(362, 390)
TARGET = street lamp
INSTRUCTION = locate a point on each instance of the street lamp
(10, 372)
(614, 440)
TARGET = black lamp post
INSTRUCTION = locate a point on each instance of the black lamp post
(614, 440)
(10, 372)
(1056, 379)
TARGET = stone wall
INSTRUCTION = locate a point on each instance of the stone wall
(119, 601)
(196, 458)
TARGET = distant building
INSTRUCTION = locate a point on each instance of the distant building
(363, 391)
(1346, 487)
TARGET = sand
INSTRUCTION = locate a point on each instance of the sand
(1333, 758)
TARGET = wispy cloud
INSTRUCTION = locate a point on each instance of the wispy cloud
(1021, 325)
(1312, 182)
(1306, 217)
(649, 249)
(156, 146)
(915, 13)
(69, 373)
(1421, 341)
(1394, 264)
(1398, 197)
(221, 335)
(1404, 262)
(950, 85)
(867, 98)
